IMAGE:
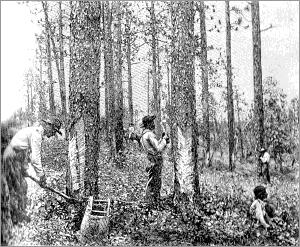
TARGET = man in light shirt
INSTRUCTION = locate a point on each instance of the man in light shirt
(265, 160)
(24, 147)
(154, 148)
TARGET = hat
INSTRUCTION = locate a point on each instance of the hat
(146, 120)
(263, 150)
(55, 124)
(259, 190)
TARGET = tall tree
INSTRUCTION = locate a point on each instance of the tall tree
(229, 89)
(156, 91)
(239, 102)
(205, 92)
(50, 75)
(41, 86)
(257, 76)
(109, 67)
(128, 59)
(59, 58)
(62, 82)
(105, 52)
(184, 139)
(119, 106)
(84, 90)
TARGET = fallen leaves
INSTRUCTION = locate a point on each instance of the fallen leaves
(218, 218)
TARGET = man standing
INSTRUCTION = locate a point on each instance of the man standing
(24, 147)
(153, 147)
(265, 160)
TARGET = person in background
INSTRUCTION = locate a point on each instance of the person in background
(265, 160)
(134, 137)
(24, 147)
(260, 209)
(154, 148)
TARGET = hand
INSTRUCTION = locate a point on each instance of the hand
(167, 140)
(43, 181)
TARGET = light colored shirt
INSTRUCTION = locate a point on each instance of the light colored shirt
(151, 144)
(265, 158)
(30, 138)
(257, 209)
(130, 130)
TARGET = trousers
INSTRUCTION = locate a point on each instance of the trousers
(154, 183)
(265, 171)
(13, 189)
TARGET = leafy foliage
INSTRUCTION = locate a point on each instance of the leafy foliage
(276, 119)
(219, 216)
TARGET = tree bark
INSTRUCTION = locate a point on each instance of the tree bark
(230, 108)
(205, 93)
(119, 107)
(62, 82)
(184, 138)
(50, 75)
(84, 91)
(128, 58)
(109, 66)
(156, 93)
(257, 76)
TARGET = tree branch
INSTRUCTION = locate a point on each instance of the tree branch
(271, 26)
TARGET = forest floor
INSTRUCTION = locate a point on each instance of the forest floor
(221, 218)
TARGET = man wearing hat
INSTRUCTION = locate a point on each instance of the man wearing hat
(264, 160)
(24, 147)
(153, 147)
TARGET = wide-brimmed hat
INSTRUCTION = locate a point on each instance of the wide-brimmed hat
(147, 119)
(55, 124)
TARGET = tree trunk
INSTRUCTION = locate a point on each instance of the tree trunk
(119, 106)
(184, 137)
(50, 77)
(41, 90)
(109, 66)
(62, 82)
(257, 79)
(229, 90)
(205, 93)
(240, 130)
(148, 91)
(156, 92)
(59, 60)
(257, 76)
(128, 58)
(84, 91)
(106, 96)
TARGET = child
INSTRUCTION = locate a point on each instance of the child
(260, 208)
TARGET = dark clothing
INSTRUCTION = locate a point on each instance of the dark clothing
(13, 189)
(153, 186)
(154, 149)
(265, 171)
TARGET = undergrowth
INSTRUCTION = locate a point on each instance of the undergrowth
(218, 217)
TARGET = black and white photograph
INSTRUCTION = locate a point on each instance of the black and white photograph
(150, 123)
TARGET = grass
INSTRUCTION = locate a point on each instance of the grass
(220, 218)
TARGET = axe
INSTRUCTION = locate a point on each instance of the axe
(69, 199)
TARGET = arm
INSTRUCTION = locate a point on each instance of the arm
(265, 158)
(36, 144)
(256, 210)
(159, 146)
